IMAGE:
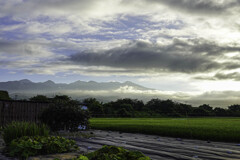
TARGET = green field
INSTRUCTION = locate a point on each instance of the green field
(214, 129)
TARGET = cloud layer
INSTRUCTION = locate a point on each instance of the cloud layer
(187, 56)
(195, 42)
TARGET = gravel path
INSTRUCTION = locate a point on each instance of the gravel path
(163, 148)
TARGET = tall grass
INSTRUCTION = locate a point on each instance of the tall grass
(16, 130)
(215, 129)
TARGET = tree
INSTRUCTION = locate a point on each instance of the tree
(65, 114)
(137, 105)
(39, 98)
(234, 110)
(4, 95)
(61, 98)
(89, 101)
(199, 112)
(95, 107)
(154, 104)
(183, 109)
(165, 108)
(96, 110)
(220, 111)
(208, 109)
(123, 113)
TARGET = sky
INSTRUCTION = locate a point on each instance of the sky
(175, 46)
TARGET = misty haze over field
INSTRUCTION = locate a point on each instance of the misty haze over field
(185, 50)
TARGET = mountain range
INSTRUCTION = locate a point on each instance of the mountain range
(26, 88)
(25, 85)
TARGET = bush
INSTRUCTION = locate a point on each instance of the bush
(113, 152)
(16, 130)
(31, 146)
(65, 114)
(4, 95)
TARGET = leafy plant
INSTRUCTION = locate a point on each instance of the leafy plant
(30, 146)
(113, 153)
(16, 130)
(81, 157)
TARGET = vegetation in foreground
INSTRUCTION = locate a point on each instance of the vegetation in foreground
(16, 130)
(113, 153)
(24, 139)
(26, 146)
(214, 129)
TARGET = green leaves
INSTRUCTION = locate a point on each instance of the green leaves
(116, 153)
(30, 146)
(113, 153)
(81, 157)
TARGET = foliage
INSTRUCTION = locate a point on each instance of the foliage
(16, 130)
(215, 129)
(81, 157)
(64, 113)
(39, 98)
(155, 108)
(234, 110)
(113, 153)
(4, 95)
(136, 108)
(30, 146)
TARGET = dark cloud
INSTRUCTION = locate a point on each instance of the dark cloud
(199, 6)
(221, 76)
(11, 47)
(196, 55)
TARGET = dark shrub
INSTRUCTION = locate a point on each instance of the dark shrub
(4, 95)
(65, 114)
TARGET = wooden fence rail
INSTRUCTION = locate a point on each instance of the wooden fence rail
(20, 111)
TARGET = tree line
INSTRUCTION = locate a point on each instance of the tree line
(137, 108)
(155, 108)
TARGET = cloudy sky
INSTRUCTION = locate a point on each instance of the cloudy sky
(178, 46)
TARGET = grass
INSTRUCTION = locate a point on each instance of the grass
(214, 129)
(16, 130)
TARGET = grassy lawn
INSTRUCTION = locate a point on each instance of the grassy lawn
(215, 129)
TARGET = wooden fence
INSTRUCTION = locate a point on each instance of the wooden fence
(20, 111)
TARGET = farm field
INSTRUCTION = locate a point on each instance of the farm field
(212, 129)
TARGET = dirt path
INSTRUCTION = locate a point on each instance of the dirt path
(163, 148)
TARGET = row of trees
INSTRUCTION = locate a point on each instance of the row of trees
(136, 108)
(155, 108)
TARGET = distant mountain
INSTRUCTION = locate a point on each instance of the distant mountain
(26, 88)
